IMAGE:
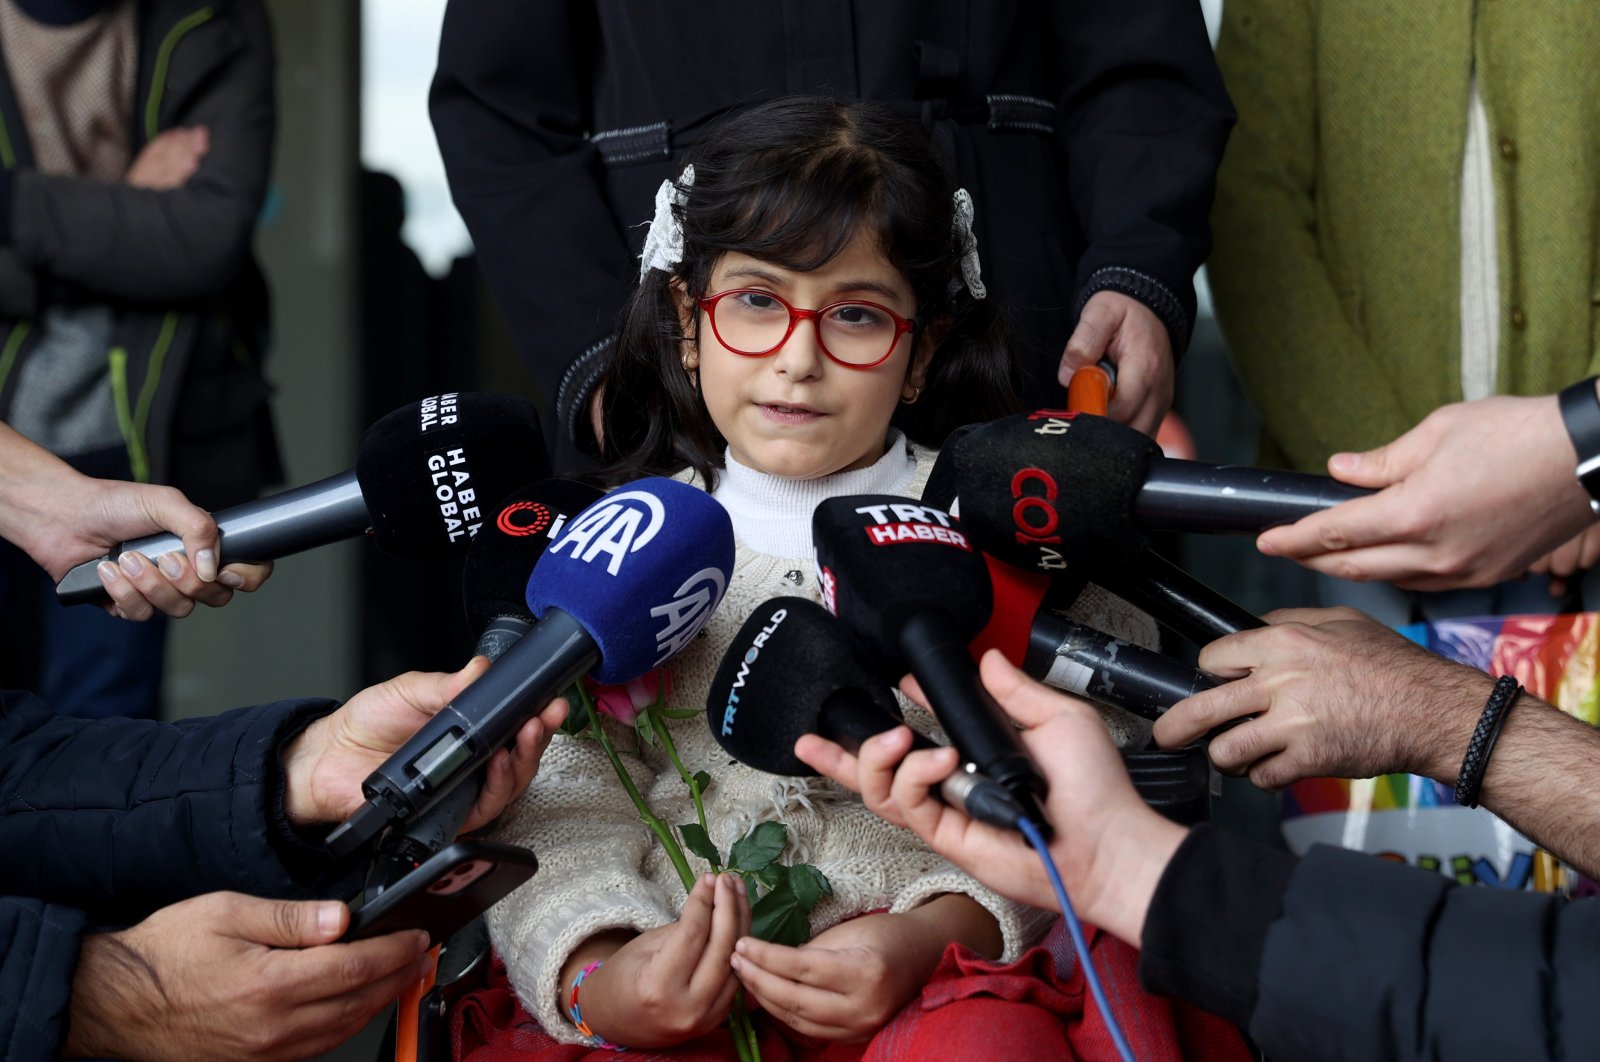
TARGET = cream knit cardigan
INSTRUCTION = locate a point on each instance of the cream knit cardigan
(601, 869)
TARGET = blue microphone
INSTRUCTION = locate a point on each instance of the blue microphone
(630, 581)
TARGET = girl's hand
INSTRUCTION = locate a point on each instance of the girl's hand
(847, 982)
(674, 983)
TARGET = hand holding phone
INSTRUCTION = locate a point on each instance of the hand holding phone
(450, 889)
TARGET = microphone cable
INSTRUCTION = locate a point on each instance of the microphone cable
(1030, 830)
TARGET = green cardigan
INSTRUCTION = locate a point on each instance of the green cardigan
(1337, 269)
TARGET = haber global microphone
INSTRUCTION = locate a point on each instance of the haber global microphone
(907, 582)
(630, 581)
(423, 475)
(791, 670)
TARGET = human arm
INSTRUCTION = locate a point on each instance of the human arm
(163, 245)
(849, 981)
(61, 518)
(230, 976)
(1470, 496)
(1334, 693)
(1142, 119)
(1287, 318)
(510, 106)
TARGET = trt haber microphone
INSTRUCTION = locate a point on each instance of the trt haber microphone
(423, 475)
(1037, 488)
(791, 670)
(516, 531)
(906, 581)
(629, 582)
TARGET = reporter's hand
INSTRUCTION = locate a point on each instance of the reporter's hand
(326, 764)
(1469, 497)
(675, 982)
(170, 159)
(230, 976)
(1571, 559)
(1335, 694)
(1109, 845)
(1128, 332)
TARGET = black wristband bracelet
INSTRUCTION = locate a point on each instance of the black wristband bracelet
(1470, 780)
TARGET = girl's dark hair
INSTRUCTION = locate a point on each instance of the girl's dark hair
(793, 181)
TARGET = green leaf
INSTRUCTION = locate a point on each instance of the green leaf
(766, 879)
(696, 840)
(759, 847)
(577, 722)
(647, 736)
(779, 917)
(809, 885)
(703, 780)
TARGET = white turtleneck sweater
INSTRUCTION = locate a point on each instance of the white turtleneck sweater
(601, 869)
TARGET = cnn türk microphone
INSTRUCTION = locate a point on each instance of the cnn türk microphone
(1037, 488)
(630, 582)
(793, 670)
(906, 581)
(423, 475)
(516, 532)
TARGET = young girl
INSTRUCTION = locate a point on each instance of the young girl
(809, 277)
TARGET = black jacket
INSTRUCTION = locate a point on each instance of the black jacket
(1088, 133)
(190, 304)
(1341, 955)
(102, 822)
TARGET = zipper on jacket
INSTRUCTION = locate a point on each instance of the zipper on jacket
(8, 353)
(134, 420)
(158, 79)
(8, 157)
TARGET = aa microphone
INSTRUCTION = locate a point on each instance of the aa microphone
(423, 475)
(906, 581)
(1049, 484)
(629, 582)
(516, 532)
(793, 670)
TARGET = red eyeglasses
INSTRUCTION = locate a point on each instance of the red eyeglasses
(754, 323)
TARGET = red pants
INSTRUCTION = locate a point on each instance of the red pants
(969, 1010)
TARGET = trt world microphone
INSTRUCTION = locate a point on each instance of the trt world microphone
(630, 582)
(793, 670)
(423, 475)
(907, 582)
(1037, 488)
(516, 532)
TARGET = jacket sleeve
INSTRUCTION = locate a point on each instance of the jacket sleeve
(1143, 120)
(1290, 333)
(592, 849)
(510, 107)
(120, 817)
(115, 240)
(38, 956)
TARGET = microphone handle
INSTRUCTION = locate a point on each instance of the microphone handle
(501, 634)
(296, 520)
(936, 653)
(451, 746)
(849, 717)
(1091, 663)
(1182, 495)
(1177, 599)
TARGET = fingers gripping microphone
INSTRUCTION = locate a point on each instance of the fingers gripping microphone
(630, 581)
(793, 670)
(906, 582)
(423, 475)
(516, 532)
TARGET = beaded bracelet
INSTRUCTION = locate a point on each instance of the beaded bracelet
(592, 1038)
(1487, 732)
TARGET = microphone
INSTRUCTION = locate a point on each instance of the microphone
(1011, 473)
(793, 670)
(423, 474)
(517, 531)
(906, 581)
(630, 581)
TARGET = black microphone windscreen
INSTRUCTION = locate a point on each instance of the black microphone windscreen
(516, 530)
(940, 489)
(882, 559)
(428, 471)
(1045, 490)
(789, 664)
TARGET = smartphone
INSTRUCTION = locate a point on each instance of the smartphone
(450, 889)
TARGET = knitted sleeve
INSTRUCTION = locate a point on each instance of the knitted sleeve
(592, 850)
